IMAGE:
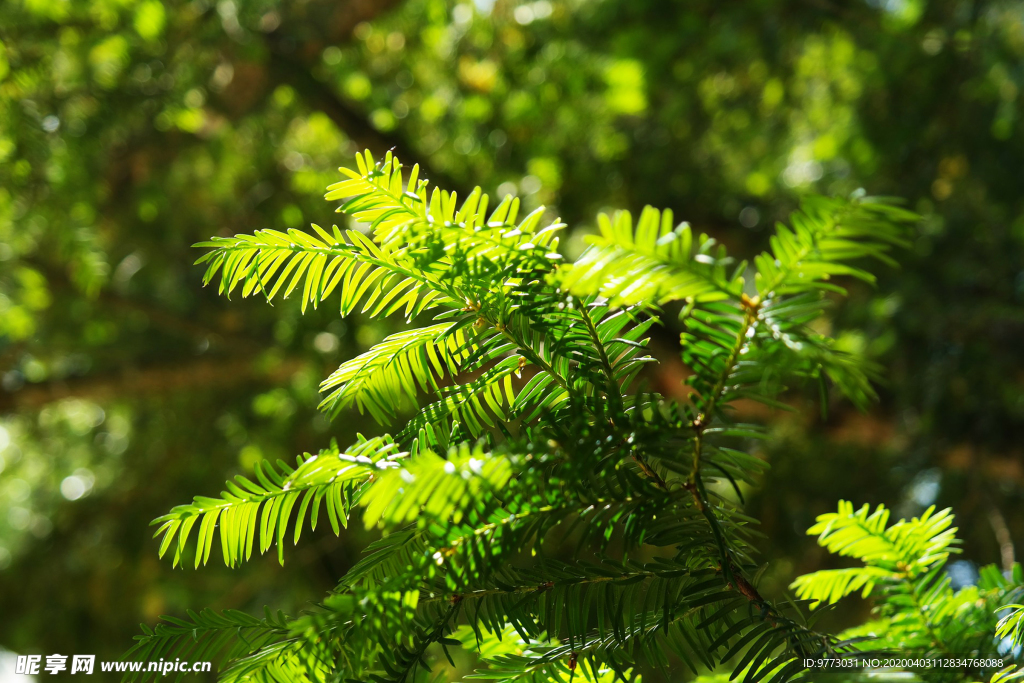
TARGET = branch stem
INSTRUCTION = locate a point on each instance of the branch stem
(613, 392)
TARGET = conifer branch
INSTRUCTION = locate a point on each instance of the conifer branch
(613, 392)
(484, 471)
(917, 612)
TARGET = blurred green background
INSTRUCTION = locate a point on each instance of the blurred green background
(131, 129)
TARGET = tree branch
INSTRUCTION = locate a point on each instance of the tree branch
(289, 65)
(213, 373)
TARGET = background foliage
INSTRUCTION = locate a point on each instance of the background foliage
(130, 130)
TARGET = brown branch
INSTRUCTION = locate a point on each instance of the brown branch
(286, 69)
(204, 373)
(294, 64)
(57, 277)
(1003, 537)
